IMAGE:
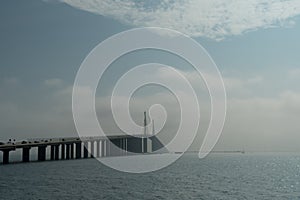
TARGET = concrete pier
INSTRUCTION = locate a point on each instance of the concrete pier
(98, 148)
(107, 148)
(42, 153)
(72, 151)
(26, 154)
(85, 150)
(56, 155)
(116, 147)
(5, 150)
(124, 146)
(78, 150)
(62, 152)
(102, 153)
(52, 152)
(92, 148)
(6, 156)
(145, 143)
(68, 151)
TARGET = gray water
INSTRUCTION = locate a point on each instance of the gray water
(219, 176)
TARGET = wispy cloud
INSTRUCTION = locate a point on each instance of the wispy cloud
(214, 19)
(55, 82)
(294, 73)
(11, 81)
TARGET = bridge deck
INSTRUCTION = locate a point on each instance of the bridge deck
(58, 141)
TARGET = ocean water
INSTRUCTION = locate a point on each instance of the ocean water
(218, 176)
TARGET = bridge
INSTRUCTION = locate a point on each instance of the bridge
(84, 147)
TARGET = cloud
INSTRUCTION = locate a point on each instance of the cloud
(11, 81)
(46, 114)
(214, 19)
(253, 122)
(55, 82)
(233, 83)
(294, 73)
(263, 124)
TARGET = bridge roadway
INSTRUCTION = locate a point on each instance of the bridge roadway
(71, 147)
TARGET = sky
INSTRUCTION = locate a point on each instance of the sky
(255, 45)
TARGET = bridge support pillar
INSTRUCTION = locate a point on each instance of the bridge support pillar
(117, 147)
(52, 152)
(5, 156)
(85, 150)
(62, 151)
(56, 155)
(107, 147)
(42, 153)
(145, 145)
(92, 149)
(123, 146)
(78, 150)
(126, 146)
(98, 148)
(26, 154)
(102, 154)
(72, 151)
(68, 151)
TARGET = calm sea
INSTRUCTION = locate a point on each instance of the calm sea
(219, 176)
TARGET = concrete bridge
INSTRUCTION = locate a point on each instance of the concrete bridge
(77, 148)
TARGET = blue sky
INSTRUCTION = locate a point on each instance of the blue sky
(44, 42)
